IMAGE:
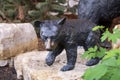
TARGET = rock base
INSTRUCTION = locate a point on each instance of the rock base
(32, 66)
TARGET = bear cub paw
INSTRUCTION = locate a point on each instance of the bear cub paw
(67, 67)
(50, 60)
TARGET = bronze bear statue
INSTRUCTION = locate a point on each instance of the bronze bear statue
(67, 34)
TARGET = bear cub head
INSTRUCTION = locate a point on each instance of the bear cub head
(49, 32)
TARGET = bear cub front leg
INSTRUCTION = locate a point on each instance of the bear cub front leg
(71, 51)
(52, 55)
(50, 58)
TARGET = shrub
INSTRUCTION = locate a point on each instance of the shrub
(109, 67)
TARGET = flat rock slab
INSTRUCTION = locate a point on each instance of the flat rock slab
(32, 66)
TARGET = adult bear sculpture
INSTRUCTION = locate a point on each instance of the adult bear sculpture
(100, 12)
(67, 34)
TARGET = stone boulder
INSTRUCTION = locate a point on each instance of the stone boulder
(32, 66)
(16, 39)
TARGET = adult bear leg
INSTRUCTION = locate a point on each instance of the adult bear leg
(92, 40)
(71, 52)
(52, 55)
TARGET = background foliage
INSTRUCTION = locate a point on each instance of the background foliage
(30, 10)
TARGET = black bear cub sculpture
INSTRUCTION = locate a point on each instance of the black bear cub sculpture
(67, 34)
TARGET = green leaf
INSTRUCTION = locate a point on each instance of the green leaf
(56, 7)
(108, 74)
(101, 52)
(41, 5)
(118, 60)
(97, 28)
(61, 1)
(106, 77)
(91, 53)
(111, 53)
(111, 36)
(116, 75)
(105, 35)
(95, 73)
(11, 13)
(2, 14)
(116, 35)
(72, 10)
(94, 52)
(34, 13)
(112, 62)
(9, 6)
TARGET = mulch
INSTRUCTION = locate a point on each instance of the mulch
(7, 73)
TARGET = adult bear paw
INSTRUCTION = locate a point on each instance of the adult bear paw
(67, 67)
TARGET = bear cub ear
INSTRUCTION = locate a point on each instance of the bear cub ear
(62, 21)
(37, 23)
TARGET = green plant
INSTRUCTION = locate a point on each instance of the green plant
(109, 67)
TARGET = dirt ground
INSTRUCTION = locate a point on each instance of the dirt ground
(8, 73)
